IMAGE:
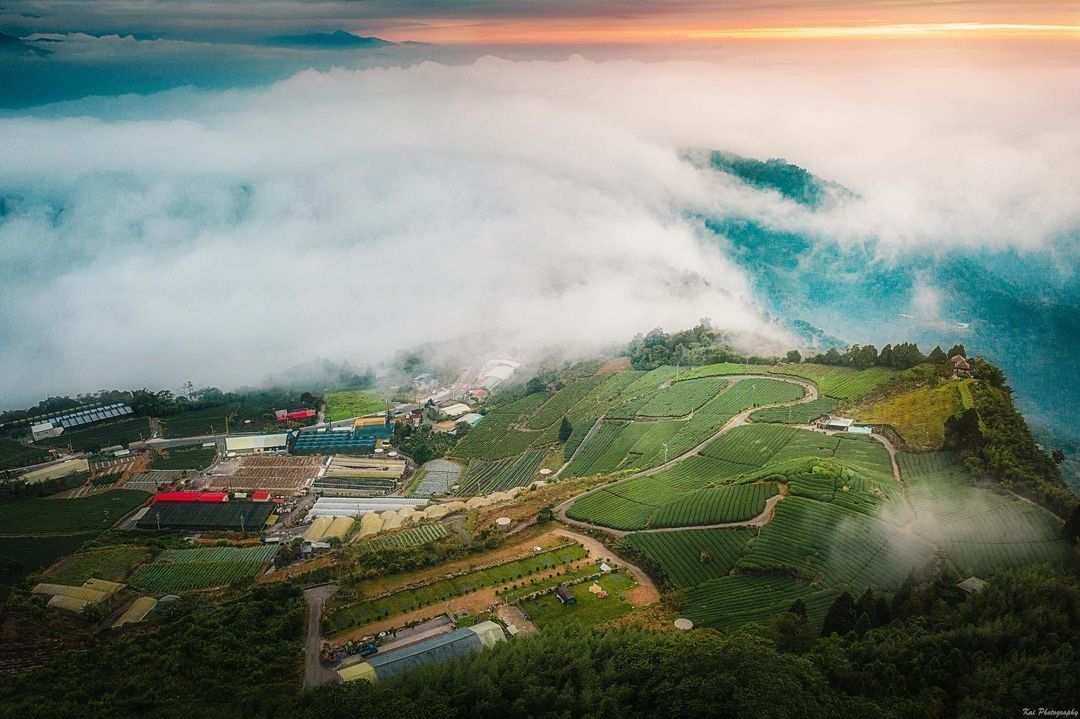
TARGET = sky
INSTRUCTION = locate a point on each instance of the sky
(550, 21)
(185, 203)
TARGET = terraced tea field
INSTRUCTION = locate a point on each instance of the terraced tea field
(487, 477)
(982, 531)
(717, 505)
(803, 413)
(696, 555)
(844, 383)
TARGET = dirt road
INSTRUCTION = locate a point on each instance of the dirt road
(645, 592)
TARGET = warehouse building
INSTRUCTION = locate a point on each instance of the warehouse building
(256, 443)
(458, 643)
(360, 440)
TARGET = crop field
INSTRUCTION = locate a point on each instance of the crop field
(919, 415)
(110, 563)
(364, 612)
(194, 458)
(16, 454)
(23, 554)
(234, 516)
(101, 435)
(181, 570)
(804, 413)
(486, 477)
(411, 537)
(982, 531)
(580, 428)
(696, 555)
(716, 505)
(45, 516)
(559, 576)
(836, 382)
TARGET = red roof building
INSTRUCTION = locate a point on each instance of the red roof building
(260, 496)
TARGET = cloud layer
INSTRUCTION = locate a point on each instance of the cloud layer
(221, 236)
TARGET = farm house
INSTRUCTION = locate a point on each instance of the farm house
(457, 643)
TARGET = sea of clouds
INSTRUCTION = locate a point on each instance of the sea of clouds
(219, 236)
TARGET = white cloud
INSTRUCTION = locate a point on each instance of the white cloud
(220, 236)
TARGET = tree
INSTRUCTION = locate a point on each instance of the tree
(885, 357)
(792, 633)
(956, 350)
(937, 355)
(840, 618)
(963, 432)
(565, 430)
(793, 357)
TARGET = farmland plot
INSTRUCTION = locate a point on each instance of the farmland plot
(731, 601)
(488, 439)
(836, 382)
(694, 556)
(750, 445)
(110, 563)
(918, 415)
(404, 539)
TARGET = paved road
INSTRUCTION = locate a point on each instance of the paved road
(314, 672)
(736, 421)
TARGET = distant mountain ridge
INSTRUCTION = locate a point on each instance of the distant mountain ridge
(337, 40)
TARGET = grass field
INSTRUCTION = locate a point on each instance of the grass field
(352, 403)
(16, 454)
(109, 563)
(364, 612)
(696, 555)
(185, 458)
(589, 610)
(918, 415)
(101, 435)
(180, 570)
(46, 516)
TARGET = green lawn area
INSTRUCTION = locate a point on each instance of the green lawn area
(352, 403)
(548, 611)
